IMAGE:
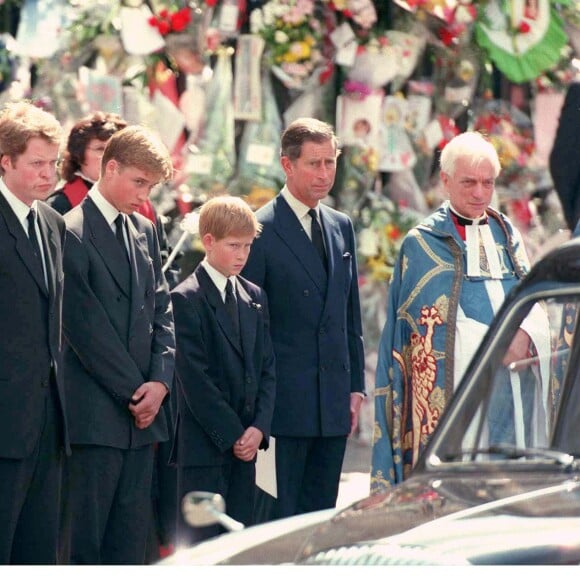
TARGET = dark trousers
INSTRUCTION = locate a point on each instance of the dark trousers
(307, 474)
(30, 497)
(109, 504)
(235, 481)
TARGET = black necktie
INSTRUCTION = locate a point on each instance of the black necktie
(316, 236)
(119, 227)
(232, 308)
(34, 238)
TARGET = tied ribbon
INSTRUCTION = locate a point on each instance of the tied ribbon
(357, 90)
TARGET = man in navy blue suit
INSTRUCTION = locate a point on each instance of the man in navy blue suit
(305, 260)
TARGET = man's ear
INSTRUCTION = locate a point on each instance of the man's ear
(111, 167)
(5, 162)
(286, 164)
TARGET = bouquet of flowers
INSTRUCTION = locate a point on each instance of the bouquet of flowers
(381, 226)
(512, 134)
(293, 37)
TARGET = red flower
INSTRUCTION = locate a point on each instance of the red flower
(524, 27)
(326, 74)
(446, 36)
(164, 27)
(211, 3)
(347, 13)
(180, 19)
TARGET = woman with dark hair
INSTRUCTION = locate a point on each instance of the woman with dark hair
(82, 159)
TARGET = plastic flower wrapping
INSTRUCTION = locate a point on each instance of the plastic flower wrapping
(212, 159)
(259, 168)
(381, 227)
(360, 170)
(293, 35)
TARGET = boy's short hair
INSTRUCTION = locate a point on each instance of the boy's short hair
(227, 215)
(139, 147)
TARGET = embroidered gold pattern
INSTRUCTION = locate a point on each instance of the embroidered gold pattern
(423, 376)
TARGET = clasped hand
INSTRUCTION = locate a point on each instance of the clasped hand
(146, 402)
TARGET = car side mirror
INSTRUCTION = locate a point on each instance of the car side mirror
(204, 508)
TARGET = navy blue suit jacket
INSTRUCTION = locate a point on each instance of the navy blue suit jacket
(315, 320)
(223, 386)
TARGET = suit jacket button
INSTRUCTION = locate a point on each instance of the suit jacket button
(306, 293)
(142, 308)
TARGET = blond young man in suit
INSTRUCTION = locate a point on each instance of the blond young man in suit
(119, 357)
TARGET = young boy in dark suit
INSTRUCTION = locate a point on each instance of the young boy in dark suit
(224, 367)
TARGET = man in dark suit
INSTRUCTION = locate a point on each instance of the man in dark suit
(119, 356)
(33, 432)
(564, 165)
(305, 260)
(224, 367)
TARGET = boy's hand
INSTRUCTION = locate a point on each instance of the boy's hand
(246, 447)
(146, 402)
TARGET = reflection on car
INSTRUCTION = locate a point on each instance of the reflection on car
(498, 482)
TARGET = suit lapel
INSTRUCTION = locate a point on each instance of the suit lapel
(50, 251)
(293, 235)
(105, 243)
(140, 260)
(248, 315)
(215, 300)
(22, 244)
(331, 232)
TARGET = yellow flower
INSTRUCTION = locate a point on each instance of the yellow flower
(298, 51)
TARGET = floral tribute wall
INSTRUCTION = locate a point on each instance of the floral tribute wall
(220, 79)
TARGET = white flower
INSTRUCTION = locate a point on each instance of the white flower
(256, 21)
(190, 223)
(268, 15)
(281, 37)
(368, 243)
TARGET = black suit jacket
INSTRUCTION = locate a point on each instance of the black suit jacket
(118, 325)
(564, 164)
(223, 387)
(315, 319)
(30, 340)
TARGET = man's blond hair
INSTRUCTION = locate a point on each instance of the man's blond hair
(139, 147)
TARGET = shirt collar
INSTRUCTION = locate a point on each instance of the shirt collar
(109, 211)
(218, 278)
(465, 221)
(300, 209)
(17, 205)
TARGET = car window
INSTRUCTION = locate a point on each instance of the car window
(520, 387)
